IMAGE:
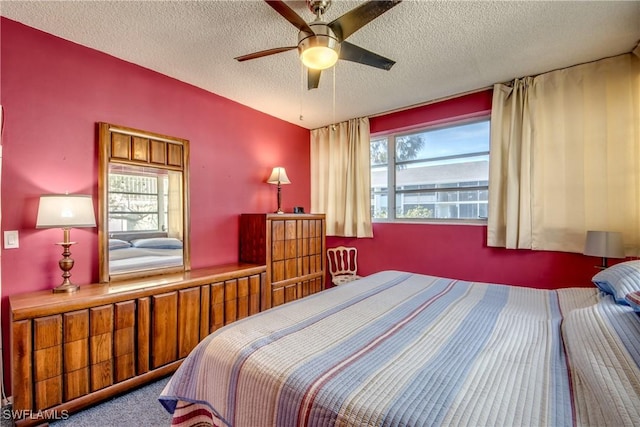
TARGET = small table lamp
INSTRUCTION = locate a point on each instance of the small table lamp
(605, 244)
(279, 176)
(65, 211)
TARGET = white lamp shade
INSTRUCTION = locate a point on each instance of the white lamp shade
(65, 211)
(606, 244)
(278, 176)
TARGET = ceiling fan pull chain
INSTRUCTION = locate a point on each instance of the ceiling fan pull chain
(333, 119)
(301, 89)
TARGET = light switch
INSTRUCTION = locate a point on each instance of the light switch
(11, 240)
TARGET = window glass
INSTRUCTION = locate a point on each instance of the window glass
(440, 173)
(379, 177)
(137, 202)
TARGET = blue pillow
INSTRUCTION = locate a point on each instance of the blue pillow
(619, 280)
(158, 243)
(118, 244)
(633, 299)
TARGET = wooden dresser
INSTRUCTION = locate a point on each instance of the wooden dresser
(293, 248)
(69, 351)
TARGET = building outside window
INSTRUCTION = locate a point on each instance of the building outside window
(435, 173)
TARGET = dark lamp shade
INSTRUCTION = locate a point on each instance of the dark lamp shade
(606, 244)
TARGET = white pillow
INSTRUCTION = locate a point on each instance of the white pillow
(619, 280)
(158, 243)
(118, 244)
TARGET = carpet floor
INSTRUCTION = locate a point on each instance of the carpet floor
(139, 408)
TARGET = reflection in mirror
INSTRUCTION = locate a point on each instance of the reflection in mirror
(144, 203)
(145, 218)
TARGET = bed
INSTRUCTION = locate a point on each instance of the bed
(402, 349)
(144, 253)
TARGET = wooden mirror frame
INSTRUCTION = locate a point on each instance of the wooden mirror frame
(127, 146)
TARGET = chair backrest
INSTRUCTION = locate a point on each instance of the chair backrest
(342, 260)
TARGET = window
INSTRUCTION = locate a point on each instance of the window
(138, 202)
(439, 173)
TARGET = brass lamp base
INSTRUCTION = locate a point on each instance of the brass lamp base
(66, 264)
(66, 288)
(279, 211)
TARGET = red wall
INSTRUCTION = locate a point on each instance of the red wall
(54, 91)
(459, 251)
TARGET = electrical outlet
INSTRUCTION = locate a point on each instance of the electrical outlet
(11, 239)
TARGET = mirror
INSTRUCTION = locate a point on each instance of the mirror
(144, 206)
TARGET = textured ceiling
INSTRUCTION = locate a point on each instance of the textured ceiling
(442, 48)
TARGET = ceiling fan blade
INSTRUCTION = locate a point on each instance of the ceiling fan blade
(313, 78)
(264, 53)
(353, 53)
(358, 17)
(288, 14)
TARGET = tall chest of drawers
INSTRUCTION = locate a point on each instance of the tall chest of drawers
(292, 246)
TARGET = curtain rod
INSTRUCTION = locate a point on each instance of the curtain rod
(635, 51)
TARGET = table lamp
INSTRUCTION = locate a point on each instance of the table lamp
(65, 211)
(605, 244)
(279, 176)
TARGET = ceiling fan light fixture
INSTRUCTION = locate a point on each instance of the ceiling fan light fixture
(320, 50)
(319, 57)
(321, 44)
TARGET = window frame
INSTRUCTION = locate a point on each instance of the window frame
(391, 165)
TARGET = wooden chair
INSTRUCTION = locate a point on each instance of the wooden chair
(343, 264)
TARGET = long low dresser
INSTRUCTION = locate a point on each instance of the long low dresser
(69, 351)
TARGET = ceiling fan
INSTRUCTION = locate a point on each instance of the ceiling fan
(321, 44)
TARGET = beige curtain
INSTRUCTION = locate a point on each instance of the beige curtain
(340, 177)
(565, 157)
(509, 217)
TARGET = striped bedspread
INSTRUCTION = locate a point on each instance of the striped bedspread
(603, 345)
(392, 349)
